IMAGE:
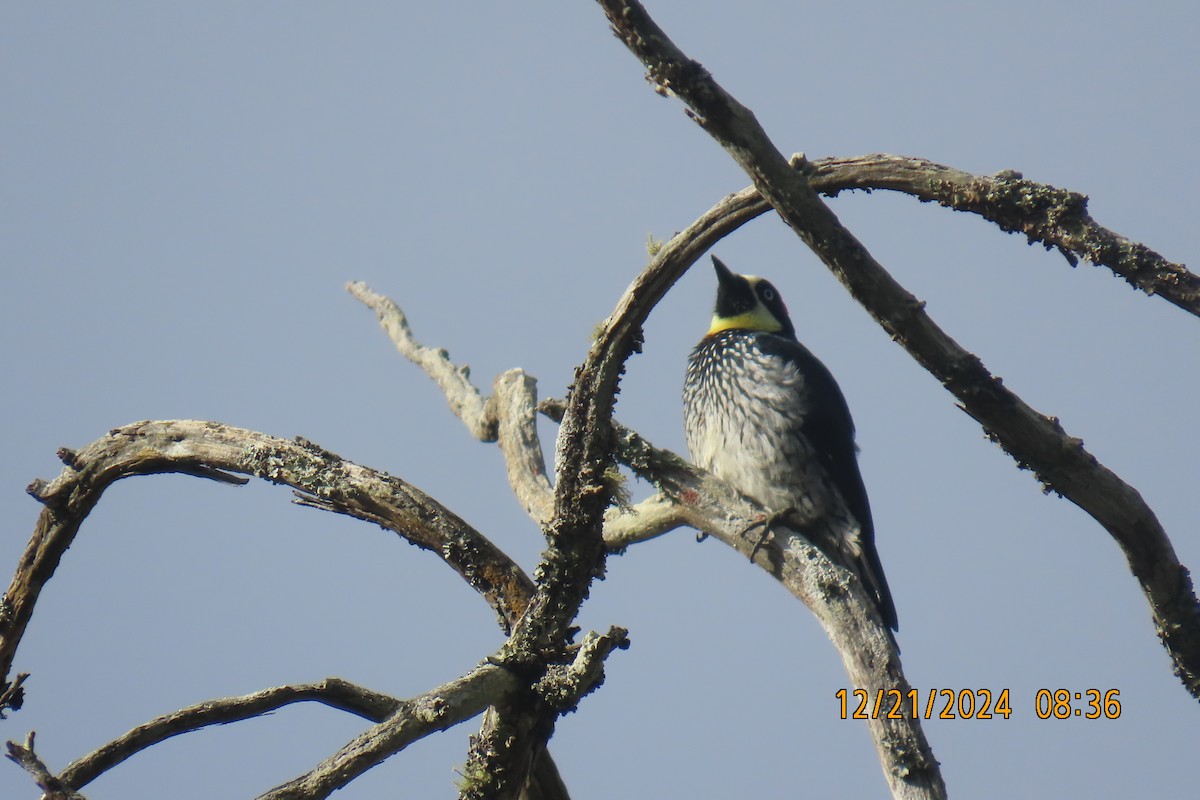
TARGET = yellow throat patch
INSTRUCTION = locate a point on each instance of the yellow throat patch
(756, 319)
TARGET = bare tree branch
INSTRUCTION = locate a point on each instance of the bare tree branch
(515, 738)
(507, 755)
(511, 411)
(1055, 217)
(508, 416)
(487, 685)
(521, 760)
(465, 400)
(565, 684)
(515, 401)
(659, 514)
(652, 517)
(196, 447)
(512, 406)
(433, 711)
(512, 741)
(1034, 440)
(865, 663)
(321, 479)
(543, 674)
(333, 692)
(504, 753)
(582, 492)
(834, 594)
(52, 787)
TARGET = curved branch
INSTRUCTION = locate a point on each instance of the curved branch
(1055, 217)
(209, 448)
(333, 692)
(1034, 440)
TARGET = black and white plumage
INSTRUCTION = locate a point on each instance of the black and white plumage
(762, 413)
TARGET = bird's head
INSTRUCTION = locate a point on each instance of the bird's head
(747, 302)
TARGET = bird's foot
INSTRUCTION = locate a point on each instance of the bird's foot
(768, 523)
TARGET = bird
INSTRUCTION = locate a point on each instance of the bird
(765, 415)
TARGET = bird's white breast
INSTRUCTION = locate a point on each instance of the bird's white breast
(743, 415)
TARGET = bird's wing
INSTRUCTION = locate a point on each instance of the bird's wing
(829, 428)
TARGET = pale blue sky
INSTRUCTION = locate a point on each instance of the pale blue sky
(186, 188)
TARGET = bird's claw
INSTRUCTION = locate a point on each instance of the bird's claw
(767, 523)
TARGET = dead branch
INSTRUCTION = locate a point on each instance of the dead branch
(455, 382)
(1054, 217)
(513, 737)
(333, 692)
(711, 506)
(1035, 441)
(834, 594)
(488, 685)
(52, 787)
(540, 674)
(508, 416)
(323, 479)
(437, 710)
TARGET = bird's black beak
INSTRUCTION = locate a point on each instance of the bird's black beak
(725, 276)
(734, 294)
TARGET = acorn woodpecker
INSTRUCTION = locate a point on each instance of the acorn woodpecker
(762, 413)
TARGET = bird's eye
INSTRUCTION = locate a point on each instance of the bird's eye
(768, 294)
